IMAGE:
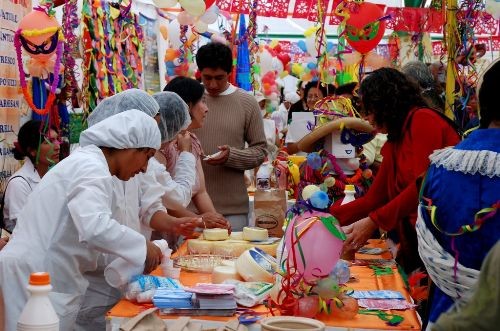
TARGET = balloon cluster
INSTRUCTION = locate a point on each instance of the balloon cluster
(197, 13)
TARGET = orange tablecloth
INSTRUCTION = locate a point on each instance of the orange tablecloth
(366, 281)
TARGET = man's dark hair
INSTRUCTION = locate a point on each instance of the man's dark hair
(488, 96)
(214, 56)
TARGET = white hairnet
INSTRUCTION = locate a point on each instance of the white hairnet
(123, 101)
(174, 114)
(129, 129)
(292, 97)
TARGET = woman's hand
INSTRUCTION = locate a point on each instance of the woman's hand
(214, 220)
(185, 226)
(358, 233)
(184, 142)
(153, 257)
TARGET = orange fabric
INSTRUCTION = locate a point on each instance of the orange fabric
(366, 281)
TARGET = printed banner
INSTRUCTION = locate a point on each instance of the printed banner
(12, 105)
(151, 75)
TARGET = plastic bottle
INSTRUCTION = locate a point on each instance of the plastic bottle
(349, 192)
(38, 313)
(263, 178)
(119, 272)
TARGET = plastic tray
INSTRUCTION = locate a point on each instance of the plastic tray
(203, 263)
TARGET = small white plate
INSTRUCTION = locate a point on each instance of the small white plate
(208, 157)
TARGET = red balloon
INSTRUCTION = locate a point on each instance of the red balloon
(284, 58)
(364, 29)
(209, 3)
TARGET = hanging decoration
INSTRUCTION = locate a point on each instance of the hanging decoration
(40, 35)
(253, 45)
(112, 39)
(243, 59)
(365, 27)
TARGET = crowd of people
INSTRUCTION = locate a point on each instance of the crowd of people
(165, 165)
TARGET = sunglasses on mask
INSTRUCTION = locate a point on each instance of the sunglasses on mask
(47, 47)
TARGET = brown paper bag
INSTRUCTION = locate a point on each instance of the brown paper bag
(145, 321)
(270, 210)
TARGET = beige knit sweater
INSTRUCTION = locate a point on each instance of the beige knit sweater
(232, 120)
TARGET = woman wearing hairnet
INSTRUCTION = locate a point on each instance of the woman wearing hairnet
(170, 153)
(137, 203)
(67, 219)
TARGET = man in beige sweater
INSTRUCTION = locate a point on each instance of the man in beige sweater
(233, 119)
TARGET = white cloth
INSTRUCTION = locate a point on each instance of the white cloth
(177, 190)
(129, 129)
(270, 131)
(280, 118)
(17, 192)
(65, 223)
(440, 265)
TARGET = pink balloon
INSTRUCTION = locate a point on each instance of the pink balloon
(320, 248)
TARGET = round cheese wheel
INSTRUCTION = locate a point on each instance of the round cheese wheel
(215, 234)
(199, 246)
(230, 247)
(254, 265)
(252, 233)
(238, 235)
(269, 249)
(221, 273)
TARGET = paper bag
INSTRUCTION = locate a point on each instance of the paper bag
(270, 210)
(145, 321)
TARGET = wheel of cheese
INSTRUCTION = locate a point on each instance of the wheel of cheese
(252, 233)
(221, 273)
(269, 249)
(254, 265)
(238, 235)
(215, 234)
(230, 247)
(199, 246)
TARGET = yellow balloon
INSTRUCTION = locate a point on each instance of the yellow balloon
(308, 191)
(273, 43)
(193, 7)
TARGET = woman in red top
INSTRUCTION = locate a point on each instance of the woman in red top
(393, 105)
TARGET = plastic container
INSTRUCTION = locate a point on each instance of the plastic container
(349, 192)
(263, 177)
(288, 323)
(38, 313)
(119, 272)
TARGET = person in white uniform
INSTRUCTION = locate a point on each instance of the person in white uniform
(38, 146)
(137, 203)
(67, 219)
(280, 116)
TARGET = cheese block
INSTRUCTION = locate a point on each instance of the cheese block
(236, 235)
(215, 234)
(254, 265)
(221, 273)
(230, 247)
(199, 246)
(252, 233)
(269, 248)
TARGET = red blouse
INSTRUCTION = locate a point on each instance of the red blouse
(393, 194)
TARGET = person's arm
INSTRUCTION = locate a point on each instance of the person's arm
(374, 198)
(254, 155)
(424, 139)
(201, 199)
(89, 207)
(163, 222)
(178, 190)
(16, 196)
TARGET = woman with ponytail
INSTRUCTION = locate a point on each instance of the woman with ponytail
(38, 147)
